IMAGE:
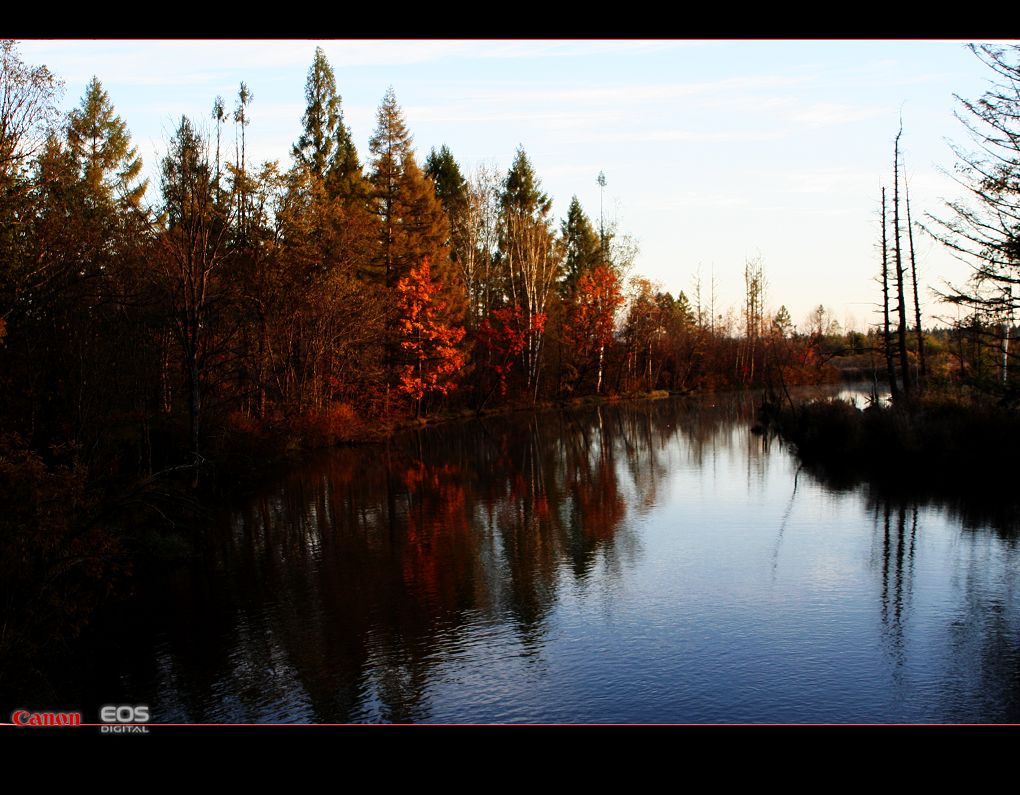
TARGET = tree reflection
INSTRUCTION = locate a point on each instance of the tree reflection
(334, 595)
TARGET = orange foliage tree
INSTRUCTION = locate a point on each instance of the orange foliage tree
(592, 316)
(429, 344)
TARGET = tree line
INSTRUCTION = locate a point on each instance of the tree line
(251, 299)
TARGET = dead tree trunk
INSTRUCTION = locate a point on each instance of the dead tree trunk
(901, 332)
(886, 336)
(913, 275)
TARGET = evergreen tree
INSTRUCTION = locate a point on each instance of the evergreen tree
(411, 221)
(583, 250)
(452, 191)
(522, 190)
(100, 143)
(782, 322)
(451, 187)
(325, 147)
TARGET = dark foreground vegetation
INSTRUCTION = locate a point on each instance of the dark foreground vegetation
(938, 444)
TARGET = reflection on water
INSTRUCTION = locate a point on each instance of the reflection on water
(652, 562)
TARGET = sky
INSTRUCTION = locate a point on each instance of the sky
(713, 152)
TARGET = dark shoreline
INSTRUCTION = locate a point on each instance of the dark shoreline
(935, 449)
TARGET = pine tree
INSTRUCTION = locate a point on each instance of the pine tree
(583, 249)
(451, 187)
(452, 191)
(325, 147)
(101, 144)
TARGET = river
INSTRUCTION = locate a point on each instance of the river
(652, 562)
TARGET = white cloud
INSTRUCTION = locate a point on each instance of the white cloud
(828, 114)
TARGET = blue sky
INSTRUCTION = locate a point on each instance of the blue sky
(713, 151)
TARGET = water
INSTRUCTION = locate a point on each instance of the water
(642, 562)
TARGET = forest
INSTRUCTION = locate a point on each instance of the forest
(256, 305)
(160, 341)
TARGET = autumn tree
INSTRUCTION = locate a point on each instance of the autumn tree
(28, 115)
(477, 263)
(411, 222)
(27, 110)
(754, 314)
(641, 329)
(332, 324)
(592, 317)
(502, 337)
(80, 227)
(429, 345)
(100, 143)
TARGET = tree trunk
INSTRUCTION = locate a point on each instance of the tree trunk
(901, 332)
(886, 336)
(913, 273)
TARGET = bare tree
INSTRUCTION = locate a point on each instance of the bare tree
(27, 110)
(913, 277)
(901, 304)
(886, 335)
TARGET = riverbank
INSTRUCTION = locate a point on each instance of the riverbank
(935, 444)
(246, 451)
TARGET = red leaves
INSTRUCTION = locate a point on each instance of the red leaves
(593, 313)
(504, 334)
(431, 345)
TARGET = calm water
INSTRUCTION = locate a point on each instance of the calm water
(648, 562)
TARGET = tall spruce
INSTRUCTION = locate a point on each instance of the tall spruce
(325, 147)
(583, 248)
(452, 191)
